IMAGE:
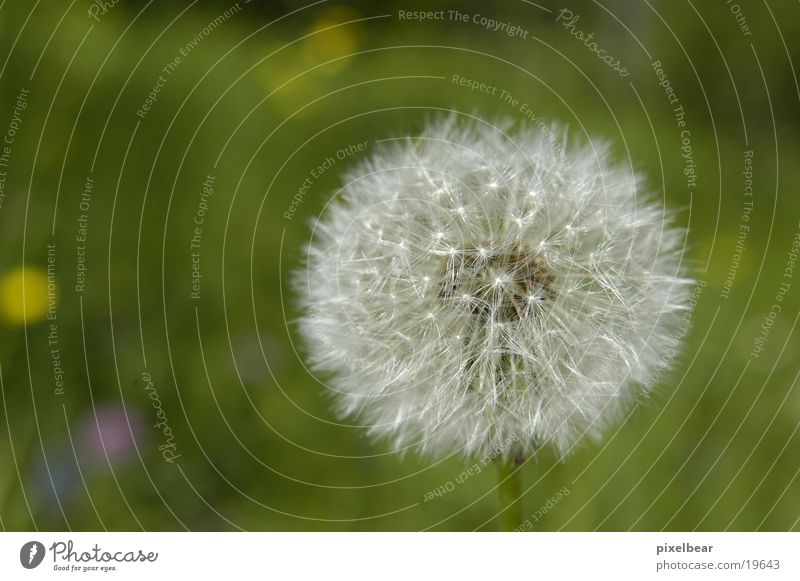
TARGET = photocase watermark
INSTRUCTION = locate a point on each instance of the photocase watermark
(68, 559)
(568, 20)
(490, 24)
(161, 81)
(198, 223)
(543, 510)
(6, 147)
(168, 448)
(31, 554)
(507, 98)
(744, 226)
(169, 69)
(777, 305)
(421, 15)
(476, 468)
(317, 172)
(474, 85)
(53, 340)
(679, 114)
(100, 8)
(507, 28)
(739, 16)
(81, 236)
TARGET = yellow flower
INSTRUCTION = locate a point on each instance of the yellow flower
(330, 38)
(24, 295)
(327, 39)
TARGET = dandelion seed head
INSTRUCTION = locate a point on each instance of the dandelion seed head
(550, 289)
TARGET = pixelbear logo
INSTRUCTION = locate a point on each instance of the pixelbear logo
(31, 554)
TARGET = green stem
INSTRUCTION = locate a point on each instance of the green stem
(509, 492)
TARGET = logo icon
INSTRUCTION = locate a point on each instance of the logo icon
(31, 554)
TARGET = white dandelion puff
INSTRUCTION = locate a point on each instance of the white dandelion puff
(480, 285)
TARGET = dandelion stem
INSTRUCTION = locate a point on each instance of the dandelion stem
(509, 491)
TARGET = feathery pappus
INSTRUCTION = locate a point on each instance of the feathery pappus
(481, 284)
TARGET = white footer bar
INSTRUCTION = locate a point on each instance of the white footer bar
(406, 556)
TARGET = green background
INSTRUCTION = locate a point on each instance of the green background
(261, 100)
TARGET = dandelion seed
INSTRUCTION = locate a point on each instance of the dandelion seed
(542, 330)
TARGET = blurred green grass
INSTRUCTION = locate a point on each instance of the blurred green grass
(715, 446)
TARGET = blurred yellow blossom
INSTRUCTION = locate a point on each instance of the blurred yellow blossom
(23, 295)
(330, 38)
(290, 70)
(289, 88)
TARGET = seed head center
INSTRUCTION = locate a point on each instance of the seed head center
(503, 287)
